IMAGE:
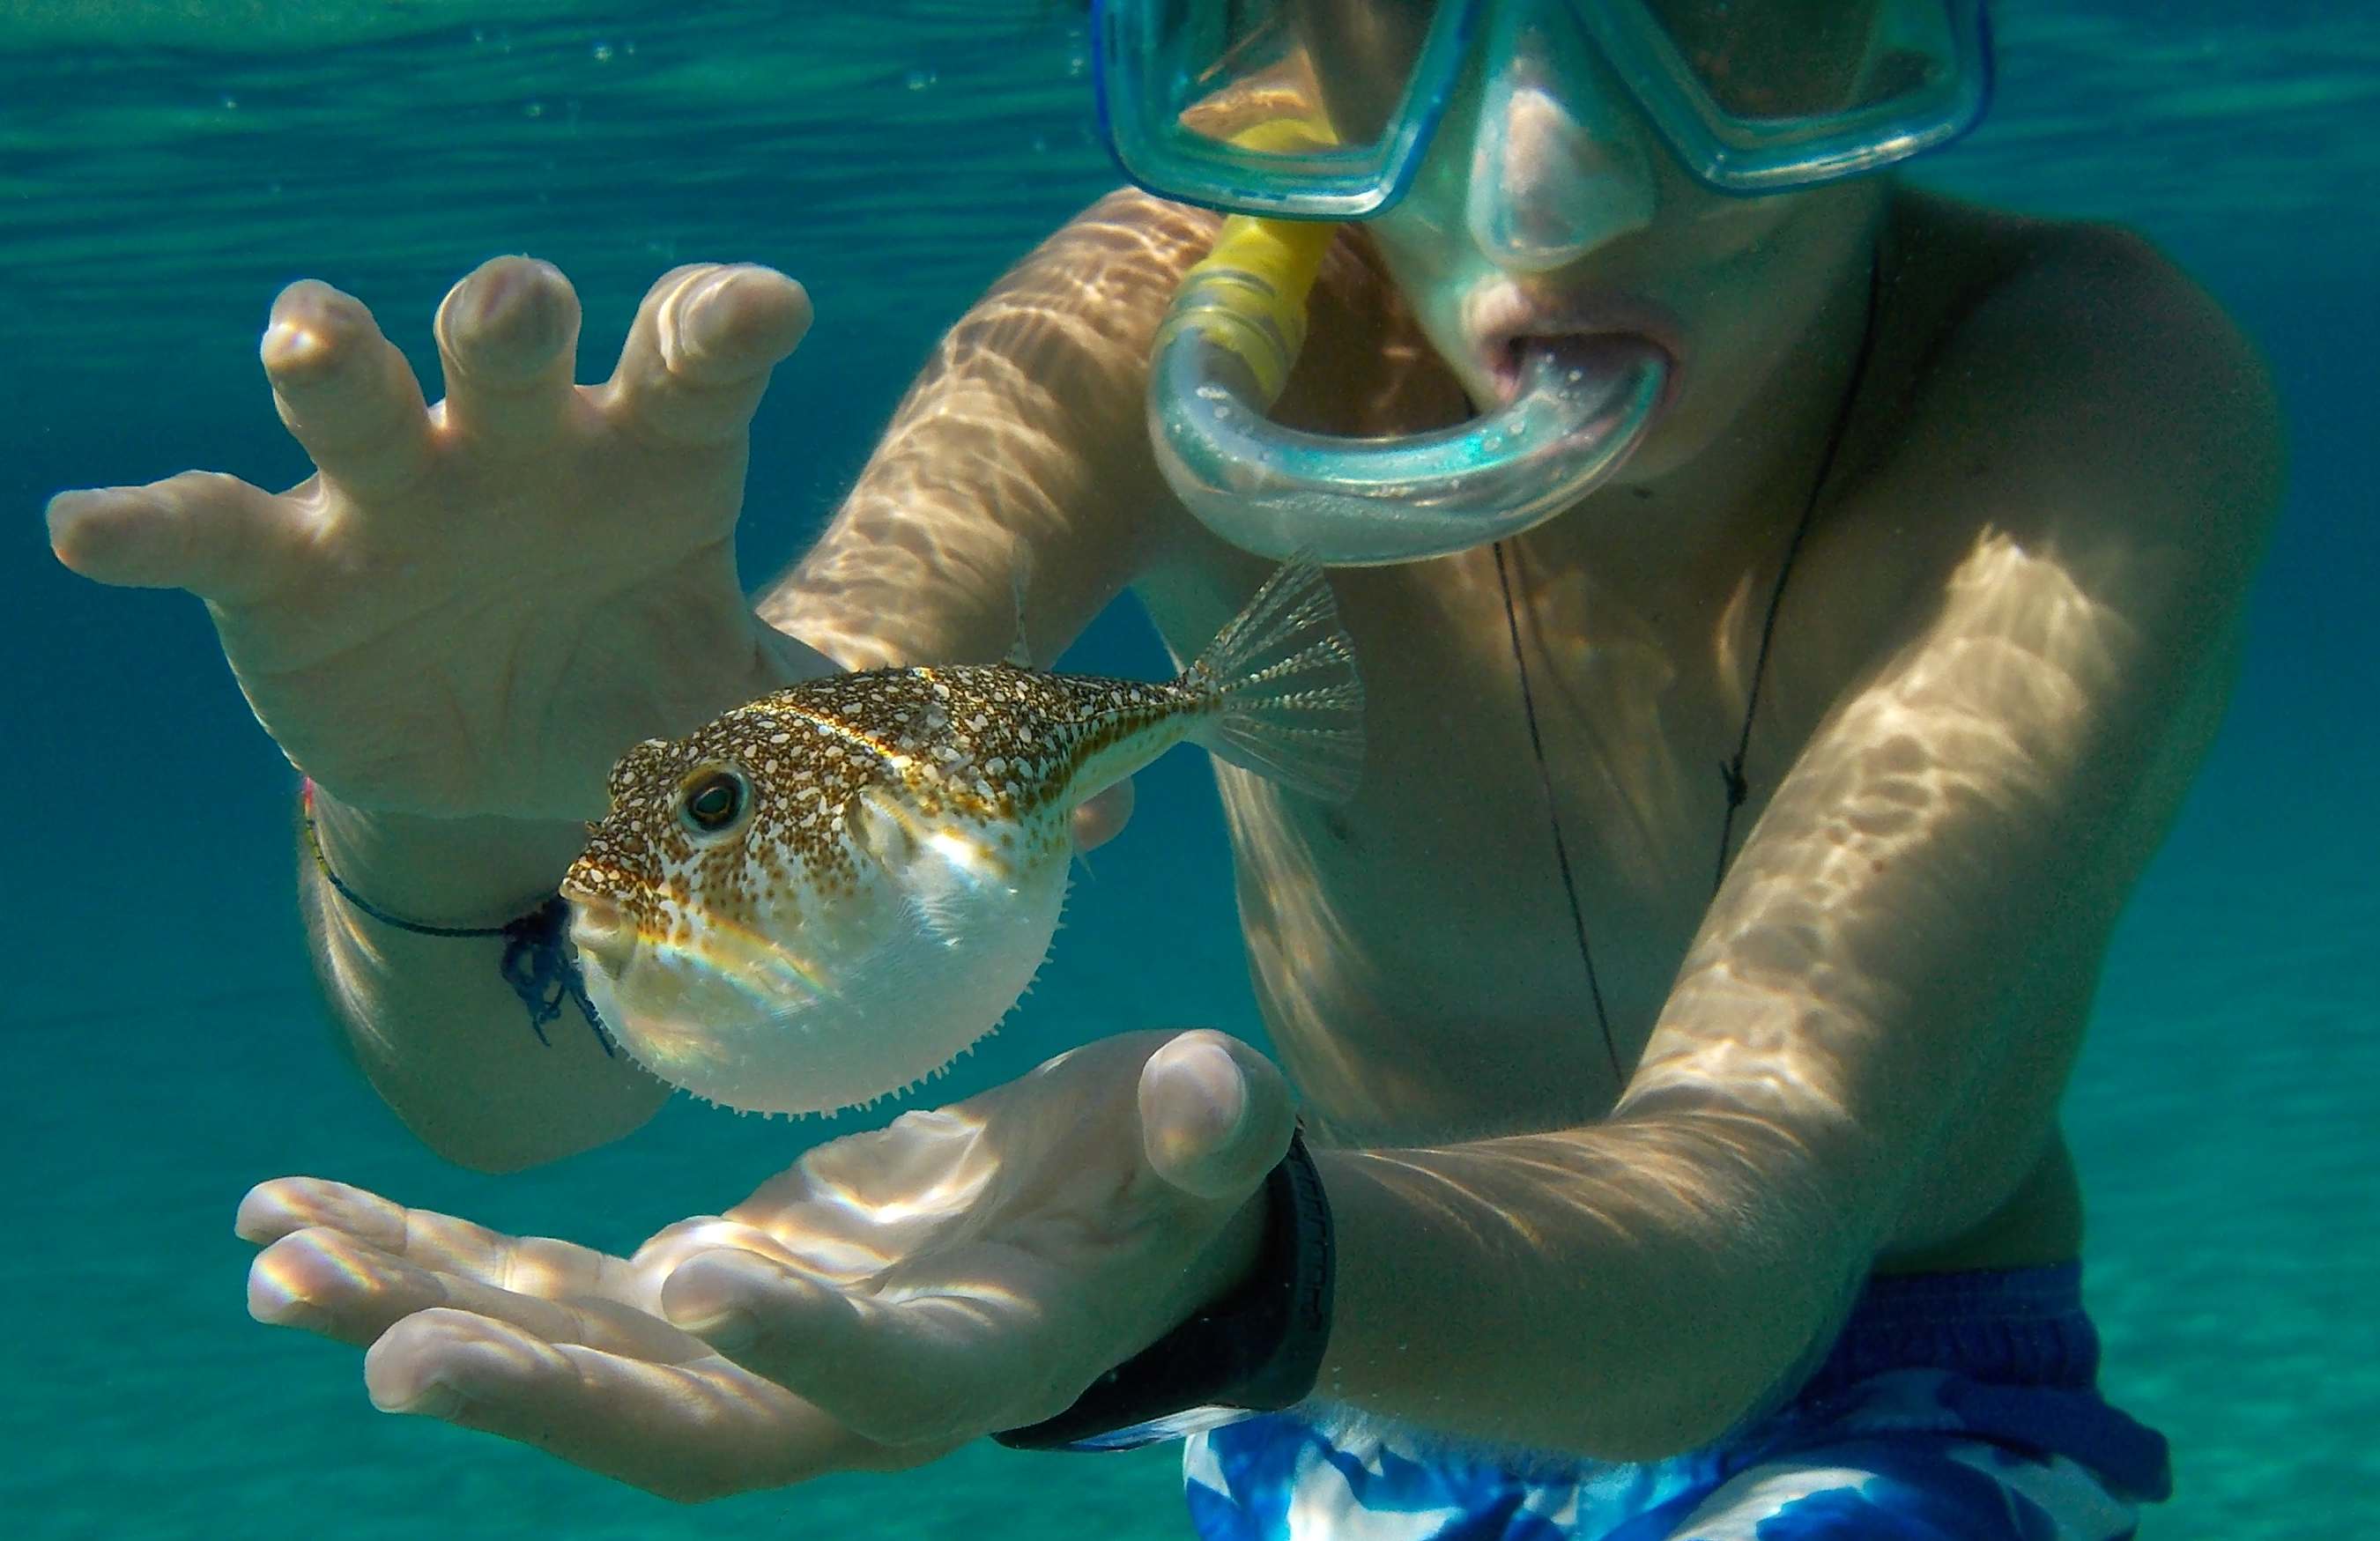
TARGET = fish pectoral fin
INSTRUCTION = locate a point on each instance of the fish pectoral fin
(885, 829)
(1020, 579)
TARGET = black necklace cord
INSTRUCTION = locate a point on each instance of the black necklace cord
(1732, 771)
(1553, 818)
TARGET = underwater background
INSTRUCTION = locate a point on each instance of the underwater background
(166, 166)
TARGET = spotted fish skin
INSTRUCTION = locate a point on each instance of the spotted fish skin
(995, 747)
(825, 894)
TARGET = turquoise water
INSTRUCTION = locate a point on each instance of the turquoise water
(165, 169)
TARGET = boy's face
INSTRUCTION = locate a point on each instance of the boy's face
(1548, 208)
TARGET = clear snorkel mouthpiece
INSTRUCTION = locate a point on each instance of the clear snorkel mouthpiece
(1225, 353)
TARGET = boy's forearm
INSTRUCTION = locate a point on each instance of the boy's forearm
(1623, 1292)
(440, 1036)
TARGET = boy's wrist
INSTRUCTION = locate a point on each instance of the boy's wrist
(459, 872)
(486, 869)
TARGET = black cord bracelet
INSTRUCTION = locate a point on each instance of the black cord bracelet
(538, 961)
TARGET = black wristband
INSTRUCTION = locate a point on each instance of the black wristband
(1258, 1349)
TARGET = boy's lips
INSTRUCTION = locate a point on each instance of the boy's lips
(1605, 354)
(1507, 329)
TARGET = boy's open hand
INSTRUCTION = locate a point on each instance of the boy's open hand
(472, 607)
(891, 1297)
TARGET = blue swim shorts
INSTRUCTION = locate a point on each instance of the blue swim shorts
(1953, 1407)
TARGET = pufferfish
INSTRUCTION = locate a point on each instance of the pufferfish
(830, 893)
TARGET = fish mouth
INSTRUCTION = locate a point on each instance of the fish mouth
(601, 931)
(719, 967)
(740, 967)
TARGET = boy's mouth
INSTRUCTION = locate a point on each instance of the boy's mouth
(1596, 352)
(1511, 330)
(1608, 362)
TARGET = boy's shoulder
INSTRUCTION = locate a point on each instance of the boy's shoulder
(2077, 366)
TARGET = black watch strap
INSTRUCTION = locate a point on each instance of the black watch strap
(1257, 1349)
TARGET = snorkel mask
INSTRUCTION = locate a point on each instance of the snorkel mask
(1292, 115)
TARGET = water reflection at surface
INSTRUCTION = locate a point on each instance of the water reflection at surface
(227, 148)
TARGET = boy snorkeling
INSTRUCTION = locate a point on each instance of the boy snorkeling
(1900, 583)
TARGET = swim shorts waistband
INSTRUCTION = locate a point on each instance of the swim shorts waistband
(2022, 1326)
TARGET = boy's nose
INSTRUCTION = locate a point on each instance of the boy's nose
(1559, 165)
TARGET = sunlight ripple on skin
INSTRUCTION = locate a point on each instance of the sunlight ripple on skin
(1934, 738)
(882, 1193)
(904, 577)
(277, 1289)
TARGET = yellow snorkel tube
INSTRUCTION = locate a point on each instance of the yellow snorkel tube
(1225, 350)
(1247, 296)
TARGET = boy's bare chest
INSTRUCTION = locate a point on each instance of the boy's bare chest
(1419, 951)
(1487, 771)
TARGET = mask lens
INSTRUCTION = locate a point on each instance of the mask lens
(1232, 64)
(1364, 56)
(1785, 60)
(1756, 95)
(1346, 65)
(1313, 108)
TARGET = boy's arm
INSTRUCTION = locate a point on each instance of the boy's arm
(1018, 462)
(1860, 996)
(1021, 442)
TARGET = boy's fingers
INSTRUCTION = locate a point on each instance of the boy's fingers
(687, 1432)
(531, 1265)
(330, 1283)
(343, 389)
(699, 353)
(213, 535)
(508, 337)
(1215, 1115)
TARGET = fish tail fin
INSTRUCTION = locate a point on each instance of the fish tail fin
(1283, 673)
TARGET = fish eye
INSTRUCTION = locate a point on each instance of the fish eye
(713, 800)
